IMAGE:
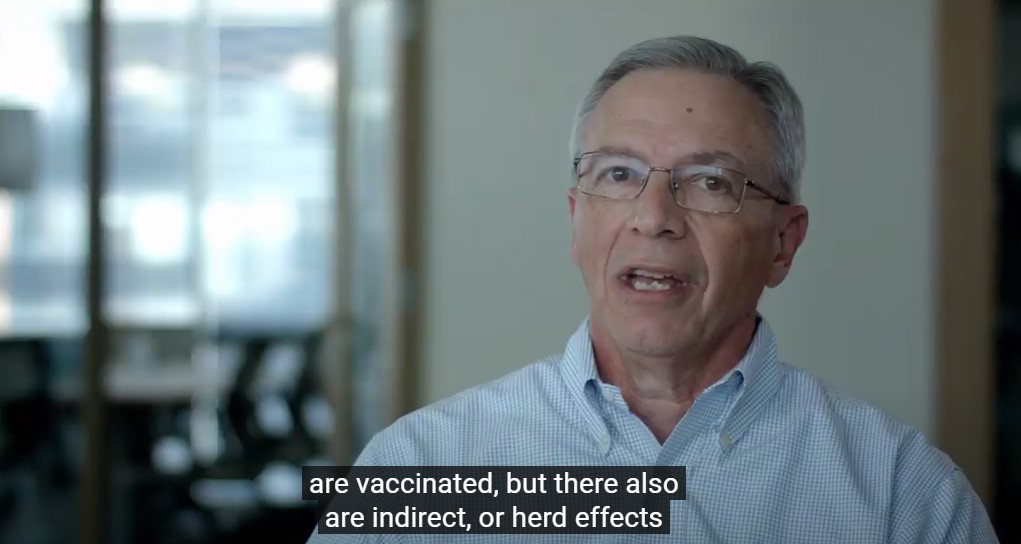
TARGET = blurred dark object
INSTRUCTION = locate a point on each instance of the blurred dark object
(1008, 335)
(251, 490)
(19, 154)
(29, 415)
(254, 446)
(34, 468)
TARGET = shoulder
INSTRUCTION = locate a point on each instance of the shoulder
(857, 420)
(447, 432)
(883, 461)
(868, 435)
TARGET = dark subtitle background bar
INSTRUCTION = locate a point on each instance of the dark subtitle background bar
(494, 499)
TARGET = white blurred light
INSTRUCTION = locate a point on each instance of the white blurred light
(317, 414)
(271, 221)
(280, 484)
(311, 75)
(171, 455)
(275, 10)
(152, 10)
(273, 416)
(223, 224)
(159, 230)
(148, 82)
(32, 68)
(142, 80)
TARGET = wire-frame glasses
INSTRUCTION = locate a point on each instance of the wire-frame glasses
(698, 187)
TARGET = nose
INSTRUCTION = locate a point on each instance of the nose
(657, 214)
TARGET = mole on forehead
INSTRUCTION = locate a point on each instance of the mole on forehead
(690, 110)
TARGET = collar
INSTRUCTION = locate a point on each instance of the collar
(757, 372)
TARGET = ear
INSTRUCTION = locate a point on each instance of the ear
(792, 226)
(572, 201)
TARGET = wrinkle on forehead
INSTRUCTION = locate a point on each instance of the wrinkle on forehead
(648, 112)
(715, 157)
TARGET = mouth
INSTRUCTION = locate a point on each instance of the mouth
(653, 280)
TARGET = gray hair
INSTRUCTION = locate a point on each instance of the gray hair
(765, 80)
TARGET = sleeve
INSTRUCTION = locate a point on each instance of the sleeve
(951, 514)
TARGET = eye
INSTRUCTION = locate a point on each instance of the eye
(714, 184)
(618, 174)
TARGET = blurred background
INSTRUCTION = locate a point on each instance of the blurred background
(317, 215)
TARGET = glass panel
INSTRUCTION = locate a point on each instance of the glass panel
(152, 301)
(219, 218)
(42, 243)
(270, 193)
(219, 224)
(45, 224)
(152, 127)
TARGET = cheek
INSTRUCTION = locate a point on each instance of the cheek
(736, 263)
(594, 234)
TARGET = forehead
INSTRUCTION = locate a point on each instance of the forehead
(665, 115)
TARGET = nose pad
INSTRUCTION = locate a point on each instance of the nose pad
(670, 186)
(656, 209)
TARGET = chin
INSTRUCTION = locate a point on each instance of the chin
(654, 337)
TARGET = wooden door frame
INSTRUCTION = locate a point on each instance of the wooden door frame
(966, 237)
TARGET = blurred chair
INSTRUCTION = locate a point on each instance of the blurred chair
(31, 449)
(253, 485)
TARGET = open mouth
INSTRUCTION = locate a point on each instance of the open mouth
(651, 280)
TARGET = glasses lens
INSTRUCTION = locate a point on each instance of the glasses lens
(708, 188)
(611, 176)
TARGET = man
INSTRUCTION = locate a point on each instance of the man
(687, 162)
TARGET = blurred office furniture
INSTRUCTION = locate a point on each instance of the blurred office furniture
(32, 454)
(28, 415)
(266, 407)
(252, 214)
(267, 423)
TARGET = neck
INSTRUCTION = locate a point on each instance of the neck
(661, 389)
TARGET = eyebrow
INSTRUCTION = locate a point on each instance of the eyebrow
(717, 157)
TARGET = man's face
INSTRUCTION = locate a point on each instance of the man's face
(719, 263)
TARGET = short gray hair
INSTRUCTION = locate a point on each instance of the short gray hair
(765, 80)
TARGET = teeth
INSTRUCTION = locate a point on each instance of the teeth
(648, 274)
(647, 285)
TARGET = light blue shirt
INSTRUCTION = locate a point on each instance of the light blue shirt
(773, 455)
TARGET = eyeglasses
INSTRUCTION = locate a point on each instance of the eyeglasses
(696, 187)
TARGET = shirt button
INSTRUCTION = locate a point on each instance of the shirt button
(604, 442)
(725, 440)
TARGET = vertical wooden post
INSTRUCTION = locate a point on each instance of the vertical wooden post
(96, 469)
(411, 98)
(966, 237)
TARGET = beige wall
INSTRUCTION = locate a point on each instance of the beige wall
(866, 306)
(502, 81)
